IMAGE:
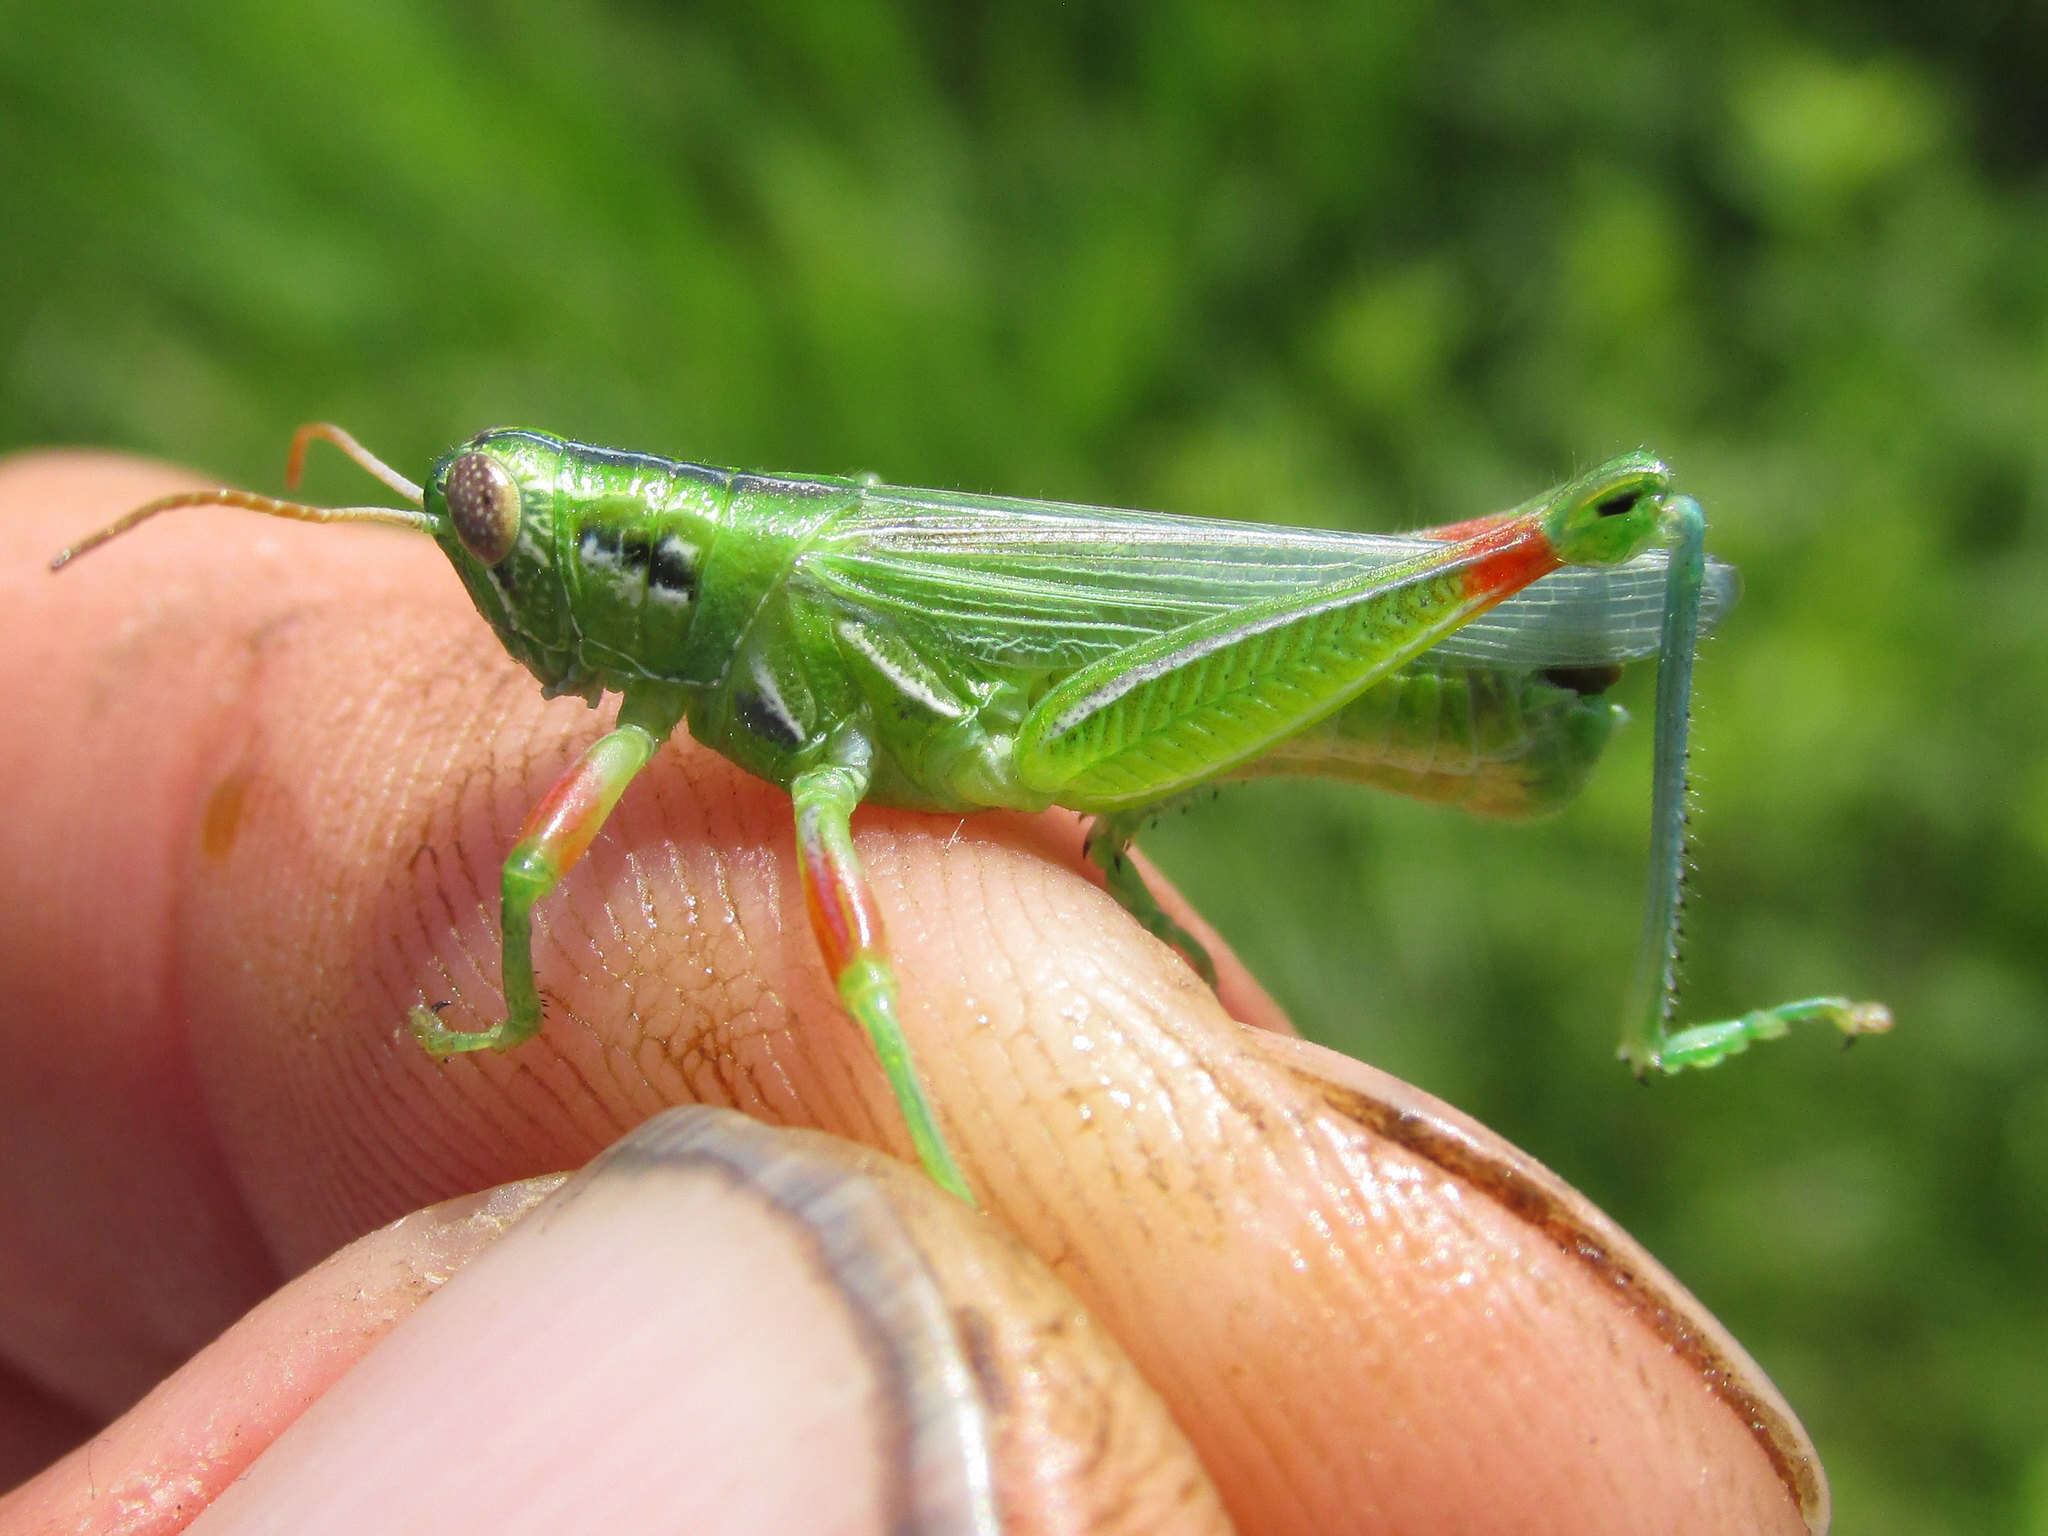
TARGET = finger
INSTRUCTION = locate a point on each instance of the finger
(1284, 1264)
(714, 1327)
(173, 1454)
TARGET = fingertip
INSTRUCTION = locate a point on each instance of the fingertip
(721, 1327)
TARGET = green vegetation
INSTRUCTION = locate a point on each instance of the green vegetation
(1385, 265)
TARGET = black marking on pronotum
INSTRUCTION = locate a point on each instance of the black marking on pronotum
(668, 563)
(674, 566)
(598, 547)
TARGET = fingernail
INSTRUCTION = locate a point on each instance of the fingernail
(715, 1327)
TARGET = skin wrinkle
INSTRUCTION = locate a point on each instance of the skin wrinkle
(366, 1086)
(1042, 984)
(1038, 1043)
(637, 921)
(1117, 1205)
(1150, 1055)
(755, 1095)
(729, 1058)
(731, 1052)
(1052, 1184)
(1578, 1251)
(740, 1053)
(588, 908)
(1134, 1163)
(362, 757)
(616, 1116)
(998, 941)
(1160, 1066)
(652, 866)
(835, 1076)
(692, 1056)
(758, 965)
(574, 932)
(1023, 1167)
(1263, 1111)
(590, 1114)
(974, 1051)
(703, 1051)
(482, 1100)
(588, 1118)
(650, 1063)
(1029, 1196)
(1274, 1451)
(906, 866)
(375, 1154)
(647, 1064)
(632, 975)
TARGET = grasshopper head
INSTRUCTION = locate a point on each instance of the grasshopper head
(1612, 513)
(490, 503)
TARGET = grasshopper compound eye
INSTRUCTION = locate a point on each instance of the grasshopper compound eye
(483, 502)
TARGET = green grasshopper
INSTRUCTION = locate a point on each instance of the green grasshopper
(853, 641)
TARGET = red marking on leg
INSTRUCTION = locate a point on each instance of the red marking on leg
(831, 922)
(842, 908)
(569, 815)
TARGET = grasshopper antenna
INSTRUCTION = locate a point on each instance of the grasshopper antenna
(328, 432)
(298, 511)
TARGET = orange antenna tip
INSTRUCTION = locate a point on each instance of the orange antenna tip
(327, 432)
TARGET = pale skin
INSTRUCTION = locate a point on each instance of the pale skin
(261, 782)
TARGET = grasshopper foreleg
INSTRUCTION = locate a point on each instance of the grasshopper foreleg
(556, 833)
(849, 928)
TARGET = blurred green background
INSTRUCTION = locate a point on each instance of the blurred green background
(1373, 265)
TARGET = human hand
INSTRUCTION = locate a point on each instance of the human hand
(261, 777)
